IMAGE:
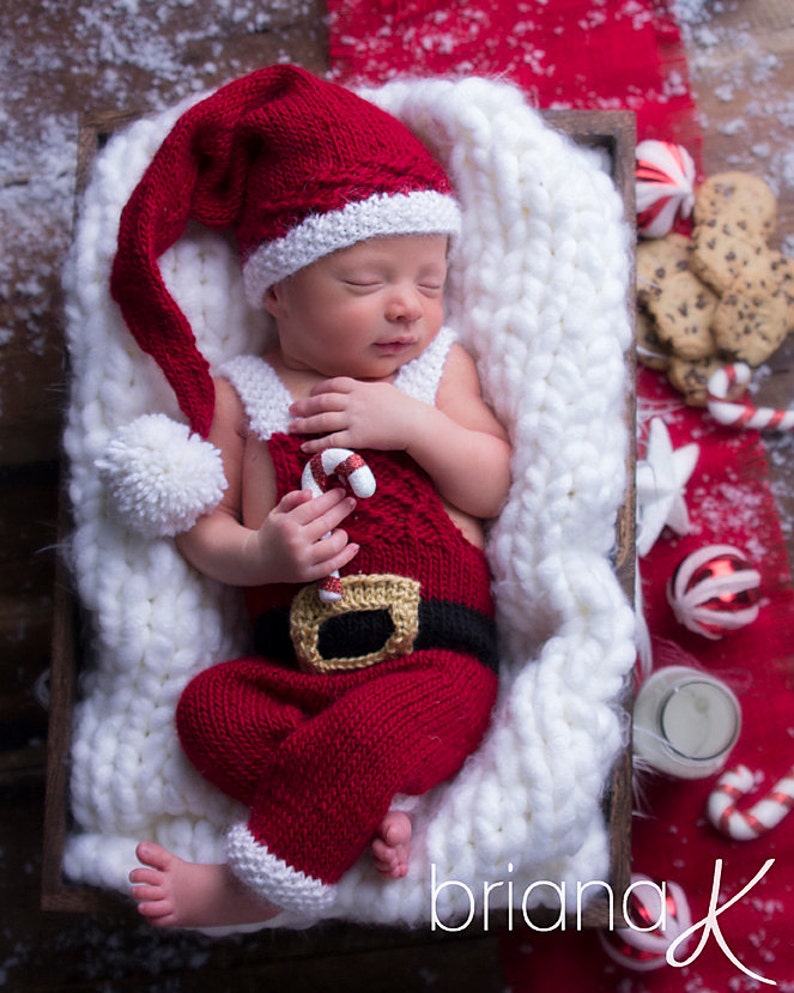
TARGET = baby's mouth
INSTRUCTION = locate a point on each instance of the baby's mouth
(394, 346)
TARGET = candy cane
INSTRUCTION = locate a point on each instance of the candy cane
(762, 816)
(351, 470)
(742, 415)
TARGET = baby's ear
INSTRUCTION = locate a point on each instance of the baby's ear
(273, 300)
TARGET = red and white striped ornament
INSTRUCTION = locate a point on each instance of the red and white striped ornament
(725, 385)
(318, 474)
(714, 591)
(762, 816)
(665, 186)
(659, 915)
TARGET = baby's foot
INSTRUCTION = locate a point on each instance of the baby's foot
(392, 845)
(171, 892)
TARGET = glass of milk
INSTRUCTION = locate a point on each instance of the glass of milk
(685, 722)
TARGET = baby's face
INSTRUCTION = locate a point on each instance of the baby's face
(365, 310)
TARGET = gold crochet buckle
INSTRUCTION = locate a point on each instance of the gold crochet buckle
(398, 596)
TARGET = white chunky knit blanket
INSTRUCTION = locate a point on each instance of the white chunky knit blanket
(538, 293)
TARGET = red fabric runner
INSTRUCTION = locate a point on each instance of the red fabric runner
(584, 54)
(627, 54)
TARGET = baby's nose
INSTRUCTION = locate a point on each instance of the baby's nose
(404, 305)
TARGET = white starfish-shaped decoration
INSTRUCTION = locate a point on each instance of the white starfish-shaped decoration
(661, 479)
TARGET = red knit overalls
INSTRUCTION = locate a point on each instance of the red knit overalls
(318, 757)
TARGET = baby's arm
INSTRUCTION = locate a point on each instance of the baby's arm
(286, 542)
(459, 442)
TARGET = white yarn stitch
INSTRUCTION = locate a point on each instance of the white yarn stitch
(268, 399)
(538, 293)
(265, 873)
(420, 377)
(420, 212)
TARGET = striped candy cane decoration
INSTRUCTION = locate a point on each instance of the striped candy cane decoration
(354, 473)
(723, 383)
(768, 812)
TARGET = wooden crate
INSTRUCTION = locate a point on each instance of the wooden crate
(612, 133)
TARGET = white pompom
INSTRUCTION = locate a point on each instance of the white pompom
(160, 478)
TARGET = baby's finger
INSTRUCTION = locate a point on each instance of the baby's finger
(317, 403)
(338, 439)
(329, 519)
(326, 422)
(308, 509)
(339, 557)
(294, 499)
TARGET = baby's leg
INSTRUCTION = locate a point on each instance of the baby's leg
(231, 719)
(171, 892)
(328, 795)
(392, 845)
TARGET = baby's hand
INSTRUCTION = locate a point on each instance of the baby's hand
(292, 539)
(348, 413)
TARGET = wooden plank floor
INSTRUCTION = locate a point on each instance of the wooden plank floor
(742, 70)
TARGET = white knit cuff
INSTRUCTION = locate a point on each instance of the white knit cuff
(421, 212)
(273, 879)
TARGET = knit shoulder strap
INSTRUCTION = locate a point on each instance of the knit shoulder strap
(420, 377)
(266, 399)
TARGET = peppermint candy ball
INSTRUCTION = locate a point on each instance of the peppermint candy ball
(665, 186)
(714, 591)
(658, 914)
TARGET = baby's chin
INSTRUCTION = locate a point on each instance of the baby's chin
(383, 368)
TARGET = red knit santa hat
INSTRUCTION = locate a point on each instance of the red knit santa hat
(298, 168)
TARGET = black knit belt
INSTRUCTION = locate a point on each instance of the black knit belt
(379, 617)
